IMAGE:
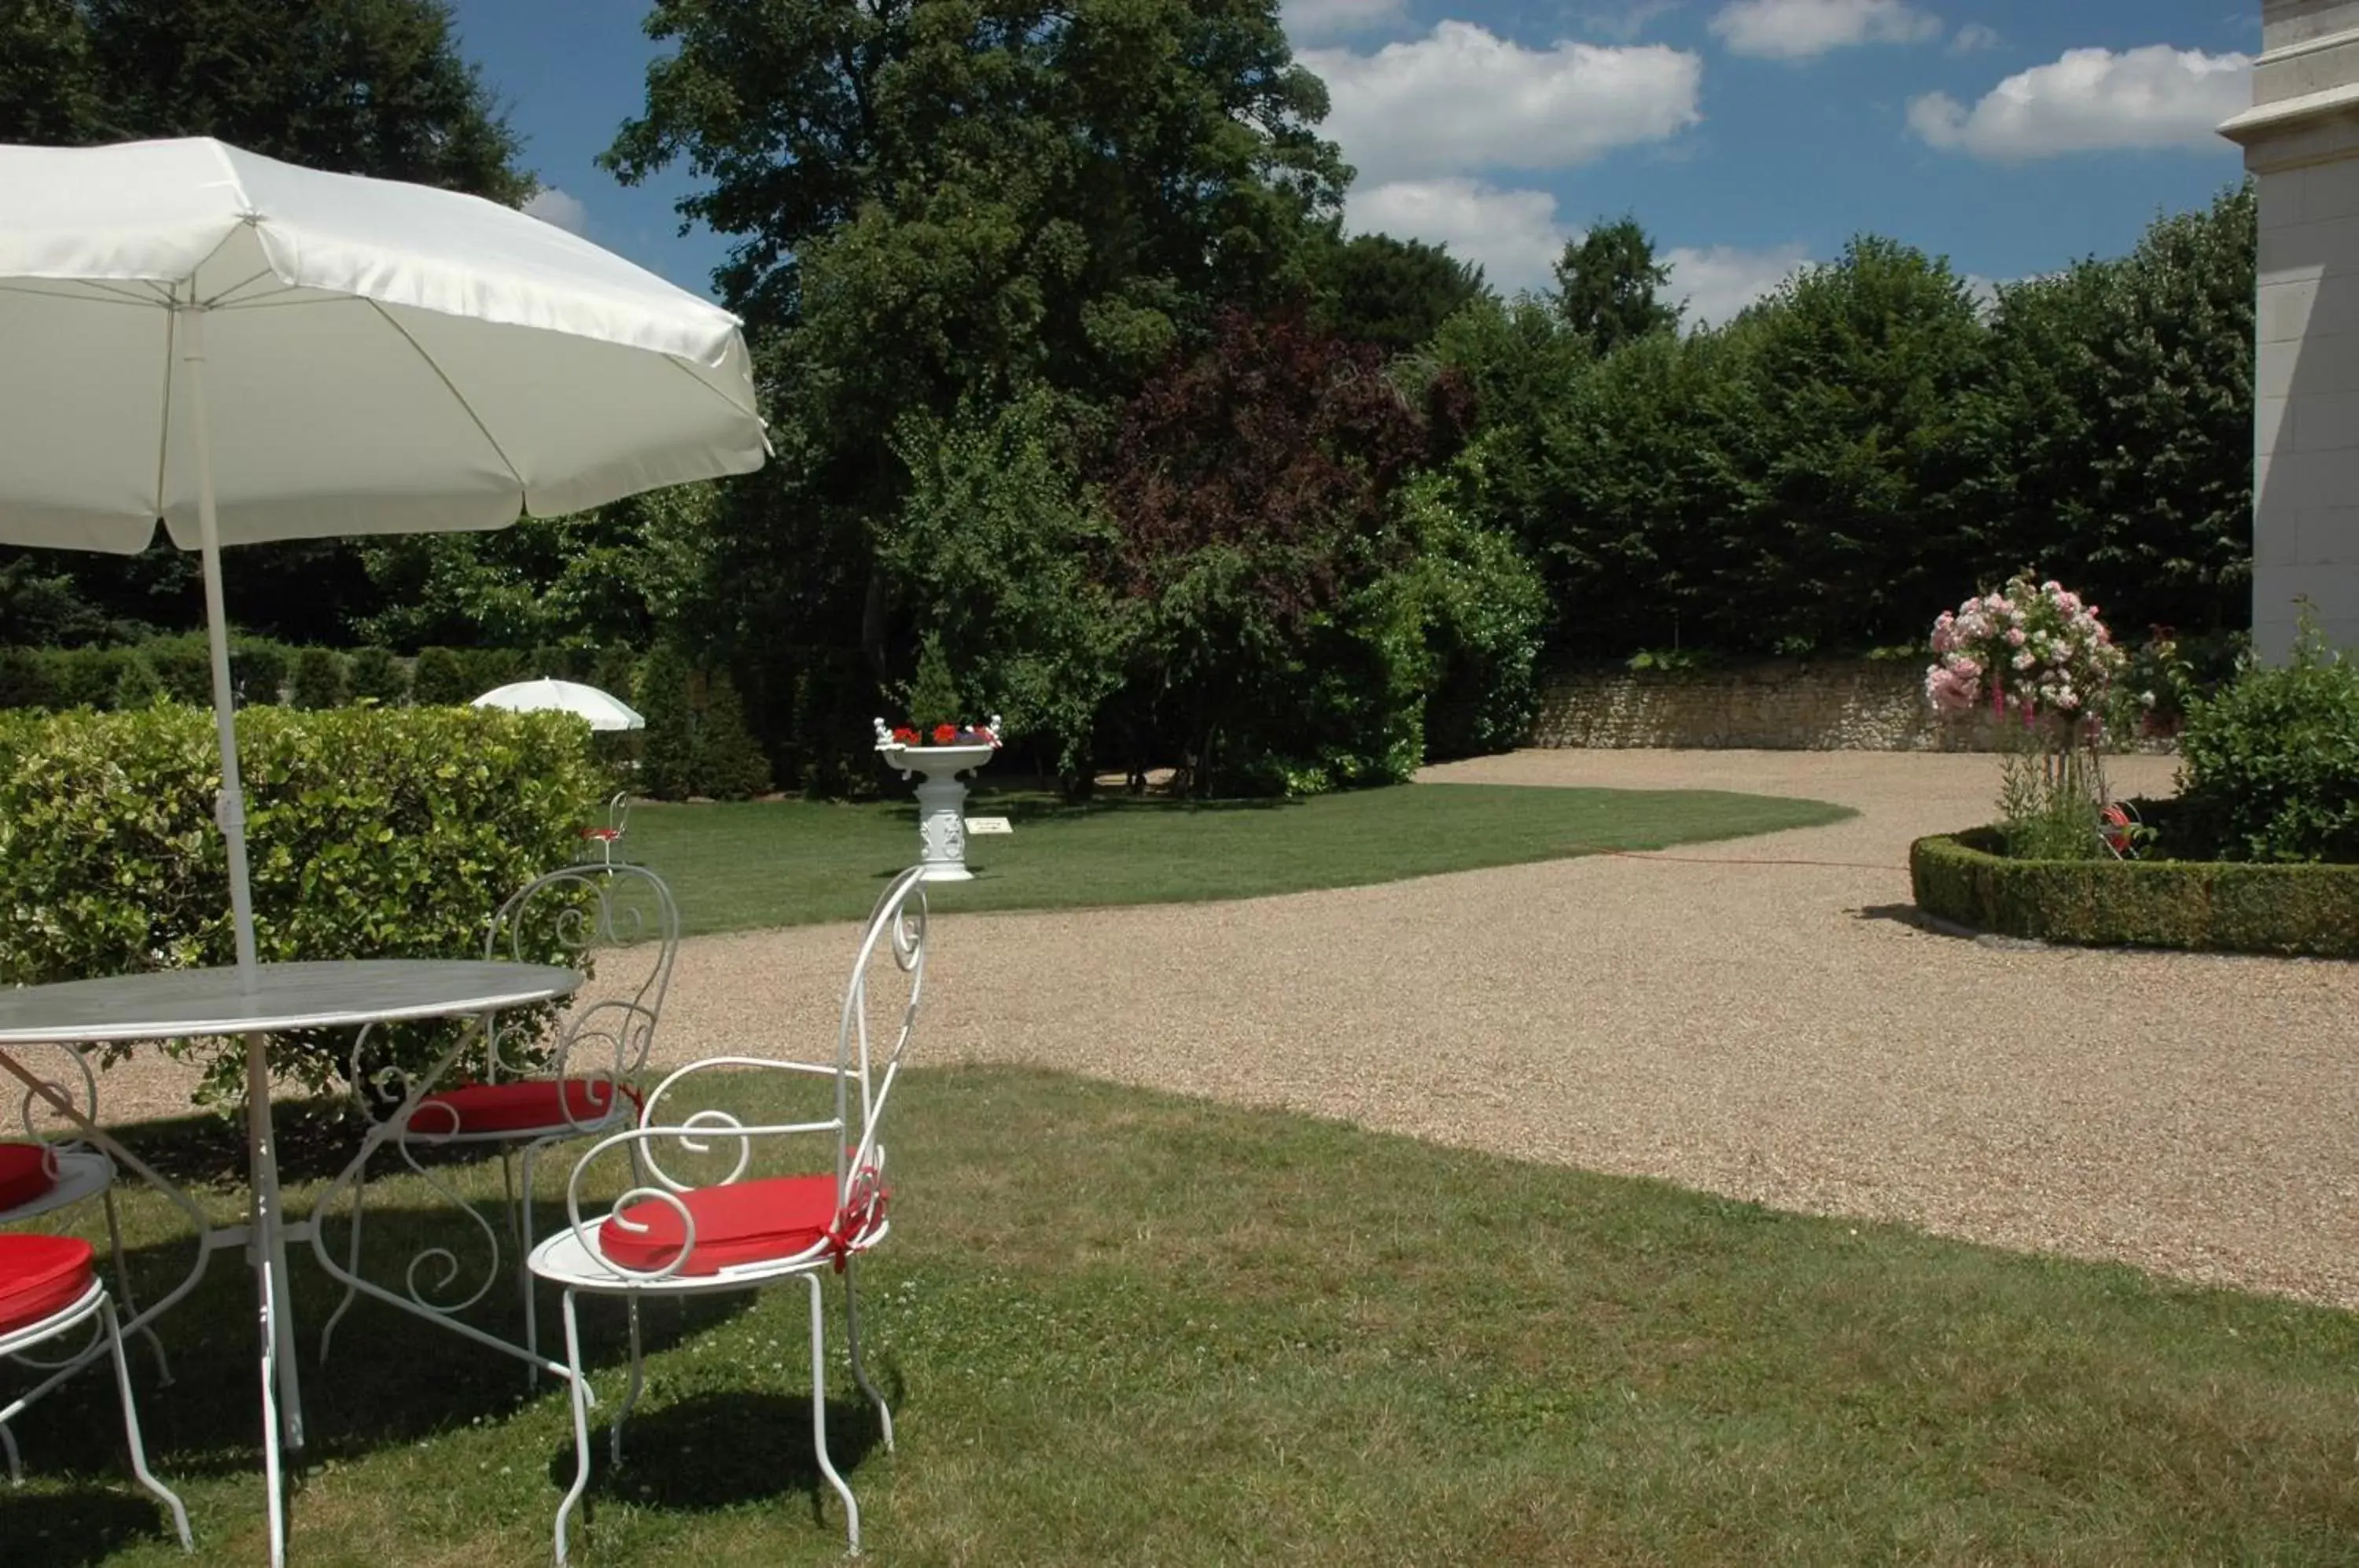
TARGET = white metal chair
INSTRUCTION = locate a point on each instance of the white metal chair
(45, 1173)
(622, 919)
(48, 1287)
(670, 1236)
(604, 839)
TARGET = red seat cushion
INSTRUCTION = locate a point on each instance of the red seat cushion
(528, 1105)
(40, 1275)
(745, 1221)
(28, 1170)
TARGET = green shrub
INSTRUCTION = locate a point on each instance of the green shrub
(729, 765)
(24, 681)
(2196, 905)
(440, 680)
(667, 745)
(487, 667)
(372, 834)
(86, 677)
(378, 677)
(1484, 610)
(318, 679)
(184, 664)
(258, 671)
(2269, 765)
(138, 686)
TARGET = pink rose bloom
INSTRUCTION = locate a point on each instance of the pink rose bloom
(2015, 637)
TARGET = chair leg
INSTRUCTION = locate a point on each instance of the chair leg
(522, 1213)
(819, 1412)
(131, 1430)
(859, 1367)
(638, 1382)
(351, 1264)
(122, 1290)
(16, 1460)
(580, 1394)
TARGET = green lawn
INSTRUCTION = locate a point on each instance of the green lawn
(1133, 1328)
(792, 862)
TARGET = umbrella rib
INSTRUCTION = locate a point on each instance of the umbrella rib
(459, 397)
(226, 296)
(104, 295)
(680, 365)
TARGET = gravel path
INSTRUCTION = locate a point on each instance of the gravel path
(1753, 1018)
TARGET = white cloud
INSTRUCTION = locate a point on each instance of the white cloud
(1515, 235)
(1628, 24)
(1512, 234)
(1797, 30)
(551, 205)
(1331, 18)
(2093, 100)
(1973, 38)
(1461, 98)
(1718, 281)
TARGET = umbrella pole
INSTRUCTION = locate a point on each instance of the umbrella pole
(229, 811)
(282, 1396)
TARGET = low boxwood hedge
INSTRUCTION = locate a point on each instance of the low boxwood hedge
(372, 832)
(2202, 905)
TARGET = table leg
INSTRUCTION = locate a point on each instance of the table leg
(282, 1393)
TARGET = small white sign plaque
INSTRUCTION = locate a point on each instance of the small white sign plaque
(989, 826)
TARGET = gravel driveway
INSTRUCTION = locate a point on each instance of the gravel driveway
(1753, 1018)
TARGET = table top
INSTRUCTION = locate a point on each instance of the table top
(346, 993)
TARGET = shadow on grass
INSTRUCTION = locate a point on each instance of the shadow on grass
(393, 1379)
(74, 1530)
(720, 1450)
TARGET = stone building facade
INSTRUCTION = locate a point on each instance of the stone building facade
(2301, 141)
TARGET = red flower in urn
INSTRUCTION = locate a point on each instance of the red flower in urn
(944, 735)
(905, 735)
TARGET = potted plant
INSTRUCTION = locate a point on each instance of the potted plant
(937, 757)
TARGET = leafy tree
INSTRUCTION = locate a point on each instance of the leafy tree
(937, 203)
(1648, 490)
(1393, 293)
(1251, 486)
(50, 92)
(2113, 435)
(587, 580)
(999, 556)
(1862, 369)
(1606, 283)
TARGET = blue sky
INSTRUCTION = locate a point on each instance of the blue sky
(1749, 136)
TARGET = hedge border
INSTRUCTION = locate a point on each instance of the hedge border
(2194, 906)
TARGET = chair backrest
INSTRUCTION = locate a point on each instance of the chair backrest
(620, 922)
(892, 950)
(69, 1088)
(873, 1036)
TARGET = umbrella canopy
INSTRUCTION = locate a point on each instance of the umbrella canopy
(248, 351)
(604, 712)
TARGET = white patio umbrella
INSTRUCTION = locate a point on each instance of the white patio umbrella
(252, 350)
(604, 712)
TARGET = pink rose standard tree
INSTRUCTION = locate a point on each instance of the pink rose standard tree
(2038, 661)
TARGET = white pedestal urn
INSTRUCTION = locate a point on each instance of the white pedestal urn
(941, 793)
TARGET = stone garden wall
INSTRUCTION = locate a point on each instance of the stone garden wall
(1785, 705)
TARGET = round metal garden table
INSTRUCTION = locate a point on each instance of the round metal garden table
(269, 999)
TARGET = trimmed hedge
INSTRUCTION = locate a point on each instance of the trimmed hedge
(2202, 905)
(372, 832)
